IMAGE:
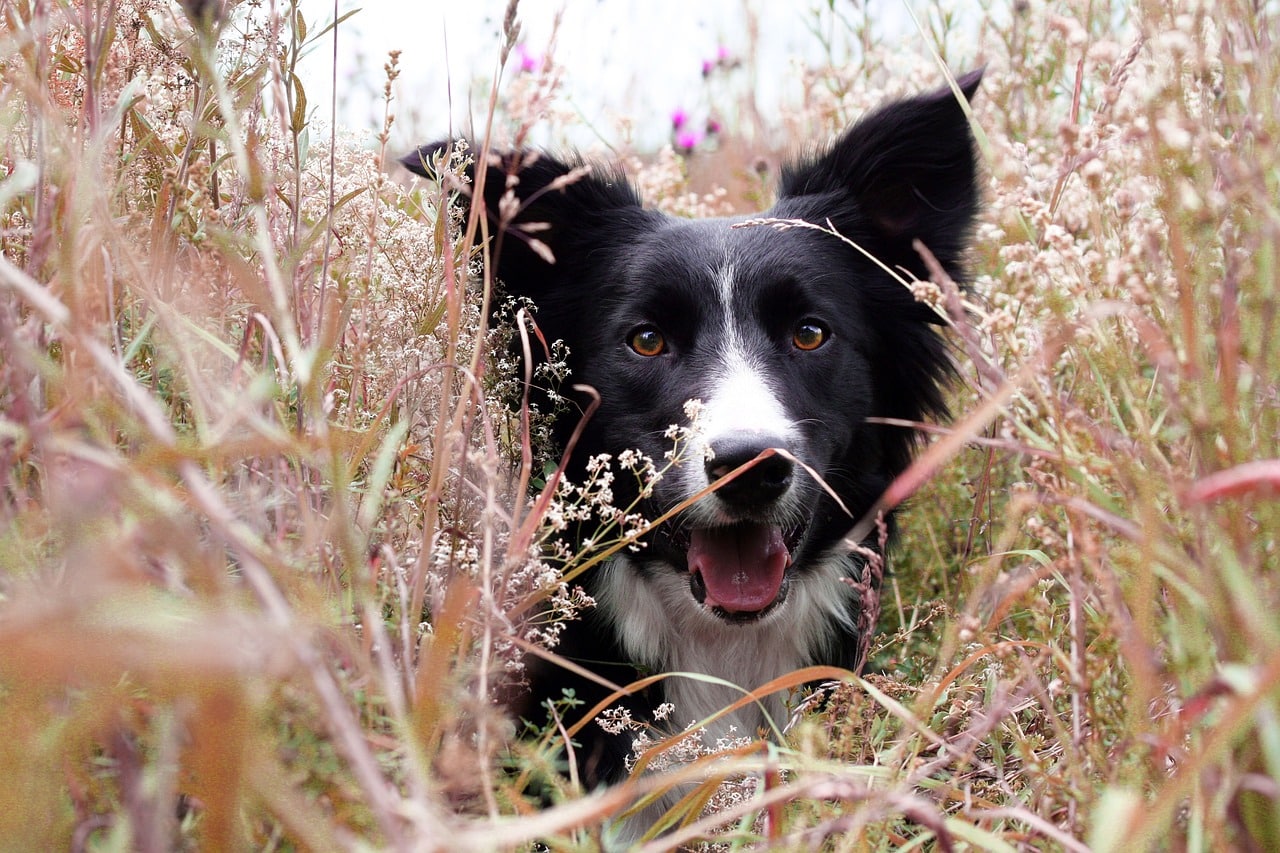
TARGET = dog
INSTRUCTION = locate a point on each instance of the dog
(793, 339)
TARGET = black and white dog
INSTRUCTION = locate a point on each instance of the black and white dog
(792, 339)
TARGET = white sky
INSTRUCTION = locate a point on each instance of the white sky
(635, 58)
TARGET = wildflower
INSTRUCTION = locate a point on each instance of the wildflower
(617, 720)
(926, 292)
(688, 140)
(555, 518)
(678, 118)
(528, 61)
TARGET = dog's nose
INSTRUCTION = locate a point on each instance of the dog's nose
(763, 482)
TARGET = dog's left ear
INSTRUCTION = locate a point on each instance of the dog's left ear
(906, 171)
(552, 218)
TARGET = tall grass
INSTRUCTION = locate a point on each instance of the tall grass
(267, 557)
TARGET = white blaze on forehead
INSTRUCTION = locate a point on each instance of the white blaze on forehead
(740, 398)
(724, 286)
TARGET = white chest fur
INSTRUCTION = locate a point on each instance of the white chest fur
(663, 628)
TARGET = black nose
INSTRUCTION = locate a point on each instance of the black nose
(760, 484)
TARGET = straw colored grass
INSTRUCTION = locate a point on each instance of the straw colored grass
(272, 534)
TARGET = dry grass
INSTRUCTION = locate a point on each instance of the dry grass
(264, 564)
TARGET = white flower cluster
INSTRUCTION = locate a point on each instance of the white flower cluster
(838, 93)
(682, 435)
(663, 184)
(617, 720)
(593, 500)
(692, 746)
(564, 604)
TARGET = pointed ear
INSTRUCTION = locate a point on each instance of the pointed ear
(906, 171)
(546, 214)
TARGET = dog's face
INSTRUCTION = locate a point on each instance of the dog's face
(756, 324)
(790, 338)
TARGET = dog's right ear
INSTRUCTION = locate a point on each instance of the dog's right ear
(907, 171)
(546, 215)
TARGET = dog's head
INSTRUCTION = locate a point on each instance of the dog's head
(791, 337)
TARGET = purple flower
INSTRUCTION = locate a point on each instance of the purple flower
(722, 55)
(688, 140)
(707, 66)
(529, 62)
(678, 119)
(713, 127)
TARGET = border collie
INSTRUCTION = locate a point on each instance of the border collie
(792, 338)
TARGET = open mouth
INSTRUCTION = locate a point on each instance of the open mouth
(740, 571)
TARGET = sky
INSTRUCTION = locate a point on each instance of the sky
(641, 59)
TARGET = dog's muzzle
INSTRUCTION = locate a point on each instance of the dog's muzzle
(739, 569)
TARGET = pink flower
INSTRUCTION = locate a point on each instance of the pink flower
(688, 140)
(678, 119)
(529, 62)
(713, 127)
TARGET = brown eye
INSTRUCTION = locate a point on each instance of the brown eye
(809, 335)
(647, 341)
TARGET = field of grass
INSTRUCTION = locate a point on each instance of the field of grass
(269, 555)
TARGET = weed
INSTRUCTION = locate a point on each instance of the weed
(274, 538)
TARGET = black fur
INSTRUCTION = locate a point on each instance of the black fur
(906, 171)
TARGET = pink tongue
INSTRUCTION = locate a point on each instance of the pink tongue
(742, 566)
